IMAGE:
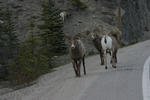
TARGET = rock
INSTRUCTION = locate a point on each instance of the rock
(16, 6)
(98, 11)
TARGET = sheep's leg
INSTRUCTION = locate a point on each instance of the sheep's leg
(105, 57)
(83, 60)
(116, 57)
(102, 58)
(79, 67)
(74, 67)
(113, 60)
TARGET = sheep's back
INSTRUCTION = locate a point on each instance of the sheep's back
(108, 44)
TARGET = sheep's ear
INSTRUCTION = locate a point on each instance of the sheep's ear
(87, 32)
(67, 38)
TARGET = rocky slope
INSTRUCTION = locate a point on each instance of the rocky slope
(135, 22)
(136, 19)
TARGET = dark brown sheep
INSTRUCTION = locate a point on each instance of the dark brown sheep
(96, 39)
(77, 53)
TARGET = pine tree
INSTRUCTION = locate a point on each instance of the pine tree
(8, 37)
(52, 36)
(30, 62)
(8, 40)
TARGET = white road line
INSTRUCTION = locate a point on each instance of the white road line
(146, 80)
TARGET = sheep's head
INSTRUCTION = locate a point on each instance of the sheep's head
(94, 34)
(73, 41)
(91, 34)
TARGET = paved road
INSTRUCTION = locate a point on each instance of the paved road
(123, 83)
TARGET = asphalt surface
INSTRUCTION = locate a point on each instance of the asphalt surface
(122, 83)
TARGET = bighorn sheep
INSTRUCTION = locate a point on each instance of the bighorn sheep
(117, 41)
(77, 53)
(111, 43)
(64, 14)
(96, 38)
(117, 34)
(114, 40)
(1, 21)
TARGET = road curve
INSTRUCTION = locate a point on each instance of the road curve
(146, 80)
(122, 83)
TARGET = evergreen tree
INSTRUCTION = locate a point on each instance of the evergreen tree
(52, 34)
(30, 62)
(8, 37)
(8, 40)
